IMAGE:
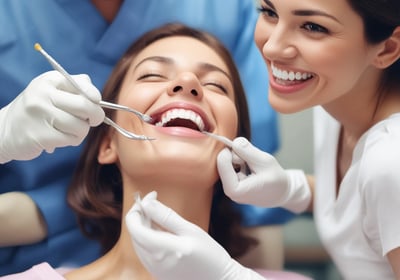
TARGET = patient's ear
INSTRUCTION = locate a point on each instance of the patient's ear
(107, 152)
(390, 52)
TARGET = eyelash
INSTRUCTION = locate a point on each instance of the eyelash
(150, 75)
(314, 28)
(308, 26)
(217, 85)
(267, 12)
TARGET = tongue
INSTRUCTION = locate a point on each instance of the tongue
(182, 123)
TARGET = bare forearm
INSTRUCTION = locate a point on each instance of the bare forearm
(394, 260)
(22, 222)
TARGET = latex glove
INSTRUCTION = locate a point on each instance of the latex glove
(48, 114)
(264, 183)
(181, 250)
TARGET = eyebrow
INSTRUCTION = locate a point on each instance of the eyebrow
(207, 67)
(210, 67)
(161, 59)
(306, 12)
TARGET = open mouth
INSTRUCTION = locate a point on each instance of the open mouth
(290, 77)
(179, 117)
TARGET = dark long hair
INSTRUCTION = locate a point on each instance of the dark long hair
(95, 192)
(380, 18)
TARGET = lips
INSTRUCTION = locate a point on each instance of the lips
(181, 115)
(288, 76)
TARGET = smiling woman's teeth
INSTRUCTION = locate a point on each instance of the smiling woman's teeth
(181, 114)
(291, 76)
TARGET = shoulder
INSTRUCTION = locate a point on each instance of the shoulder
(41, 271)
(380, 146)
(379, 155)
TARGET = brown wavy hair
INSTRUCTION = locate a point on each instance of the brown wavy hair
(96, 193)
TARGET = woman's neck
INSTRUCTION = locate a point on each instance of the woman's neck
(189, 196)
(356, 117)
(192, 203)
(121, 262)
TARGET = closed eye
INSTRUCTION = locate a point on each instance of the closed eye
(150, 76)
(216, 85)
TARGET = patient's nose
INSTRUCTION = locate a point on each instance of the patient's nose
(186, 83)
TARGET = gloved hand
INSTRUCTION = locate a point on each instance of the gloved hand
(48, 114)
(263, 182)
(180, 250)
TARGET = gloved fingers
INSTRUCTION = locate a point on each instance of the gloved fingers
(52, 89)
(225, 160)
(138, 205)
(242, 170)
(46, 117)
(71, 130)
(78, 106)
(54, 118)
(149, 197)
(147, 239)
(52, 80)
(255, 158)
(237, 160)
(167, 218)
(52, 77)
(57, 80)
(56, 83)
(49, 126)
(85, 83)
(227, 173)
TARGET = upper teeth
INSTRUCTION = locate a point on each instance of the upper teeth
(181, 114)
(289, 75)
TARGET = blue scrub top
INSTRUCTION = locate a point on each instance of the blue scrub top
(78, 37)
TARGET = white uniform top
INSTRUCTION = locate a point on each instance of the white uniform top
(362, 224)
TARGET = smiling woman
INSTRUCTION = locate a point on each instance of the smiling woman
(344, 57)
(186, 81)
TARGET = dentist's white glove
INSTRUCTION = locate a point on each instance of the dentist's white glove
(48, 114)
(180, 250)
(266, 183)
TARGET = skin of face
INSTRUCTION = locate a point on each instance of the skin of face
(320, 40)
(173, 73)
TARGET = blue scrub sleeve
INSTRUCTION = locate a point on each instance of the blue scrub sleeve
(253, 216)
(52, 203)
